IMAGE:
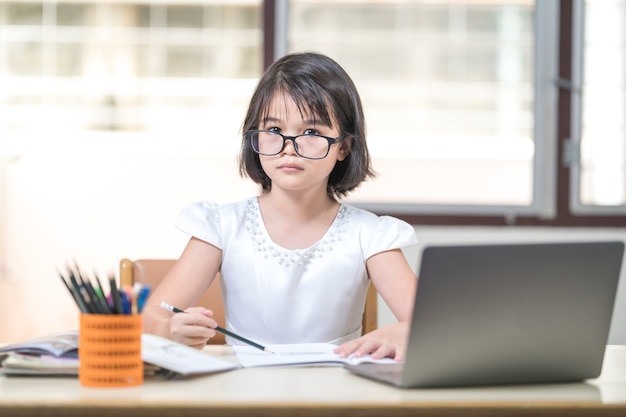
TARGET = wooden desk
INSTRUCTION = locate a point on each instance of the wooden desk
(321, 391)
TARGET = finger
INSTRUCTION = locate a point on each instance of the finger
(400, 353)
(367, 347)
(383, 351)
(200, 310)
(192, 329)
(193, 335)
(196, 317)
(199, 332)
(198, 346)
(348, 348)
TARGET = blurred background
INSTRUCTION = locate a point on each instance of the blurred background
(488, 121)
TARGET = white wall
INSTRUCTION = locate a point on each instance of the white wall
(99, 201)
(94, 203)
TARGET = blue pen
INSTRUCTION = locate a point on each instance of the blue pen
(126, 308)
(132, 298)
(142, 297)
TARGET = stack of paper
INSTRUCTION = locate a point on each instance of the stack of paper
(57, 354)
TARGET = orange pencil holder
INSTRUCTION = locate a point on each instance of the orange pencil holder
(109, 350)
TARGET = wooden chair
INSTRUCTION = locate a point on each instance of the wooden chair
(152, 271)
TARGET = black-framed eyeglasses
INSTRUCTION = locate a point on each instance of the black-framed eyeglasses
(269, 143)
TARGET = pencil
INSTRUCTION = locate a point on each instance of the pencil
(75, 295)
(221, 330)
(115, 295)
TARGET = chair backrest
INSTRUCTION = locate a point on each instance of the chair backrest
(152, 271)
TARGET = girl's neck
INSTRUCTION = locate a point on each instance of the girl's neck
(297, 221)
(297, 206)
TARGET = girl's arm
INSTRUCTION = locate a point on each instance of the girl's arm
(395, 281)
(182, 287)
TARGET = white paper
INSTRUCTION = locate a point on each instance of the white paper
(180, 358)
(301, 354)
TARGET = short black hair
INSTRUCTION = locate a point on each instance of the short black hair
(321, 87)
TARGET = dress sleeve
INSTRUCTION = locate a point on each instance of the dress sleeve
(389, 233)
(202, 220)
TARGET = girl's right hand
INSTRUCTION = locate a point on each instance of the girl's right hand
(194, 327)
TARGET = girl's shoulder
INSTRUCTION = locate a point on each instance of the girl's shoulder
(368, 218)
(211, 215)
(213, 222)
(374, 228)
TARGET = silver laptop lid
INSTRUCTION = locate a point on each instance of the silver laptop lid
(512, 313)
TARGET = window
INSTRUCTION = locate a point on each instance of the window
(450, 98)
(127, 66)
(597, 151)
(467, 101)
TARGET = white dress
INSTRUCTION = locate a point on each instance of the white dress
(274, 295)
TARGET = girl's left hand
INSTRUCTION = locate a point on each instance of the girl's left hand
(389, 341)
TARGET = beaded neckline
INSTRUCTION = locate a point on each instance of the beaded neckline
(287, 258)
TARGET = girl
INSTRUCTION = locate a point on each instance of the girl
(295, 262)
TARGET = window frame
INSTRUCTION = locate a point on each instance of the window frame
(572, 144)
(554, 123)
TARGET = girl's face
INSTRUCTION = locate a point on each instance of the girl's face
(288, 170)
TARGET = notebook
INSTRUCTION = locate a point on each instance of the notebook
(508, 314)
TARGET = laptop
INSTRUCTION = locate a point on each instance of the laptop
(508, 314)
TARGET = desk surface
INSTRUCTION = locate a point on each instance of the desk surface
(312, 391)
